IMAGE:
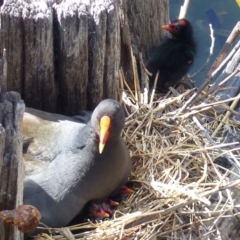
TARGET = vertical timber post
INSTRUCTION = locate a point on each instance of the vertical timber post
(11, 161)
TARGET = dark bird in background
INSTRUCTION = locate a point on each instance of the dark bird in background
(89, 161)
(174, 56)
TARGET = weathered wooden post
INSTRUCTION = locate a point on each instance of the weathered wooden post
(11, 160)
(65, 56)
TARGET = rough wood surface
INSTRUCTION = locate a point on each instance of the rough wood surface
(71, 54)
(64, 56)
(11, 161)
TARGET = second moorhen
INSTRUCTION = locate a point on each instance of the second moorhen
(96, 167)
(174, 56)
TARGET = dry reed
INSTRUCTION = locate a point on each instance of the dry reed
(181, 190)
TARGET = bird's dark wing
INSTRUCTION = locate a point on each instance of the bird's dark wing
(190, 54)
(170, 54)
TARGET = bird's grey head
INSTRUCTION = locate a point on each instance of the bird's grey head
(112, 109)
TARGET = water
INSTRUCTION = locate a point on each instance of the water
(223, 14)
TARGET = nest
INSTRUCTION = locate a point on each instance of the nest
(185, 171)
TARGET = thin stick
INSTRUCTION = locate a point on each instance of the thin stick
(233, 105)
(212, 141)
(232, 37)
(210, 52)
(154, 89)
(134, 76)
(121, 84)
(216, 103)
(204, 131)
(145, 69)
(183, 9)
(214, 89)
(229, 56)
(222, 103)
(229, 77)
(129, 89)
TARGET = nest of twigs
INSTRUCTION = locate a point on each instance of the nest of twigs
(185, 167)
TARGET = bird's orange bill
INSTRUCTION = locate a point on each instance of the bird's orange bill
(166, 27)
(113, 203)
(126, 190)
(105, 123)
(107, 209)
(100, 213)
(170, 27)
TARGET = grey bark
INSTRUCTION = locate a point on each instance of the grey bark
(11, 160)
(66, 55)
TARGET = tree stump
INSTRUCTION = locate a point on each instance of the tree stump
(64, 56)
(11, 160)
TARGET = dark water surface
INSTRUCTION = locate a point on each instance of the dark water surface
(222, 14)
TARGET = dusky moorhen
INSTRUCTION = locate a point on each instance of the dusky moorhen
(81, 173)
(174, 56)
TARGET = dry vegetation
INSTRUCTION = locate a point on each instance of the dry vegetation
(182, 178)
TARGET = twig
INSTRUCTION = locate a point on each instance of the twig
(234, 50)
(143, 216)
(154, 88)
(67, 233)
(144, 80)
(216, 104)
(210, 52)
(204, 131)
(135, 77)
(233, 105)
(145, 69)
(144, 74)
(192, 98)
(232, 37)
(237, 70)
(145, 96)
(129, 89)
(121, 84)
(170, 101)
(183, 9)
(222, 103)
(215, 87)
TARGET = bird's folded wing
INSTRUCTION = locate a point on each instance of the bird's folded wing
(46, 135)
